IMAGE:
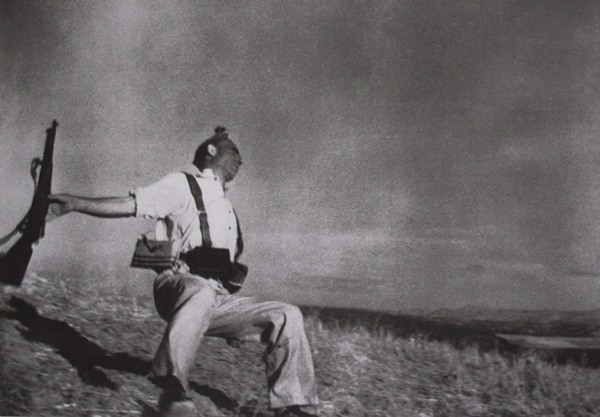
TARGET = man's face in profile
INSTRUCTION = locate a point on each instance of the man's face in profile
(228, 159)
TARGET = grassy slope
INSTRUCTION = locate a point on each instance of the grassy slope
(73, 352)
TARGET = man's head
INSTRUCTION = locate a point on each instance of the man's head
(220, 154)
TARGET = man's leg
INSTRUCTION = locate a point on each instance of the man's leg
(186, 302)
(280, 326)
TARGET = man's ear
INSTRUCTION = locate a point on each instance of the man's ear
(211, 149)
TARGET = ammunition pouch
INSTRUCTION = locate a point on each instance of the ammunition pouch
(209, 262)
(157, 255)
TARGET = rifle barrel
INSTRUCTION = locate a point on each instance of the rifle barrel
(14, 262)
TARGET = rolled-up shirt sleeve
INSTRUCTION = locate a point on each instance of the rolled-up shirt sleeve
(158, 200)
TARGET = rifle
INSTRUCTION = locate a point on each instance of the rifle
(13, 263)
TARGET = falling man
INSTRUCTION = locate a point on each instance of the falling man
(192, 210)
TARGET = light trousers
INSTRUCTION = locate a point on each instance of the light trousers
(194, 306)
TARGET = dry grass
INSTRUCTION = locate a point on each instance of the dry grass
(381, 375)
(86, 354)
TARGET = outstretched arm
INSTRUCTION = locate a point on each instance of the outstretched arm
(107, 207)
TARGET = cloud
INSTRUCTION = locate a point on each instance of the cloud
(399, 117)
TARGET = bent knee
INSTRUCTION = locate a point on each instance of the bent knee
(294, 312)
(291, 316)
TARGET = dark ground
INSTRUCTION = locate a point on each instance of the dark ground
(70, 353)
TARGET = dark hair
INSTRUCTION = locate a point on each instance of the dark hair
(202, 151)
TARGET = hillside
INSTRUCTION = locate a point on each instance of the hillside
(69, 350)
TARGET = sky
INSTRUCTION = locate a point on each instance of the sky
(397, 154)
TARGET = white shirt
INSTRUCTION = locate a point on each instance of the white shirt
(171, 203)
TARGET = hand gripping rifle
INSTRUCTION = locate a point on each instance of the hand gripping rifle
(13, 263)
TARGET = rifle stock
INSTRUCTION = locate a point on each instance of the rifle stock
(13, 264)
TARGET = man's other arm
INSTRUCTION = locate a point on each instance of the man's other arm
(106, 207)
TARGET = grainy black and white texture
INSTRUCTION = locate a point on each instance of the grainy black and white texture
(397, 154)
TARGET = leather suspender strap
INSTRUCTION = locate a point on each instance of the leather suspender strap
(213, 262)
(240, 240)
(197, 193)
